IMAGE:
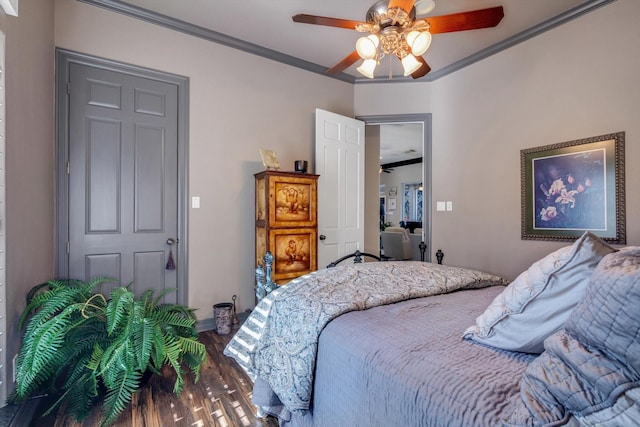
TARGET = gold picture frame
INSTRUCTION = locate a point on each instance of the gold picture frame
(572, 187)
(270, 159)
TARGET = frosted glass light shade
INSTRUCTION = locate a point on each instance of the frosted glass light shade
(367, 46)
(410, 64)
(367, 68)
(424, 6)
(419, 42)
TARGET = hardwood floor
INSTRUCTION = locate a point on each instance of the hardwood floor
(222, 397)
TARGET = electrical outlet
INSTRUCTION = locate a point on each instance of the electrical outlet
(449, 206)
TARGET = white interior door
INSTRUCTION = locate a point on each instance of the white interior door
(340, 164)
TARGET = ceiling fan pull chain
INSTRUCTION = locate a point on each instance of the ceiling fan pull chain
(390, 67)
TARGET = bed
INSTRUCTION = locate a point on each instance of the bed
(421, 344)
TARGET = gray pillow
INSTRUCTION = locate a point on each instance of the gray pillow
(590, 369)
(538, 302)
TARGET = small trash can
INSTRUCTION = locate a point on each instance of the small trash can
(223, 314)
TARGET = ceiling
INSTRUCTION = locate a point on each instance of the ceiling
(266, 28)
(400, 142)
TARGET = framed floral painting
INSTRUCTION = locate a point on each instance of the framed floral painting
(575, 186)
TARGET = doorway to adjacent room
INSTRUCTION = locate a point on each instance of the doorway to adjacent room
(413, 206)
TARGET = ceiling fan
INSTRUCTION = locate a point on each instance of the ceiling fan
(394, 30)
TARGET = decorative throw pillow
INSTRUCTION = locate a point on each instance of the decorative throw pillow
(538, 302)
(591, 367)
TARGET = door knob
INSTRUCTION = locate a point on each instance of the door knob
(323, 237)
(171, 241)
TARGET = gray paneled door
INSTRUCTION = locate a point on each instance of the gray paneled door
(123, 178)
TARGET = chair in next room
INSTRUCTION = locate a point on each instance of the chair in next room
(396, 243)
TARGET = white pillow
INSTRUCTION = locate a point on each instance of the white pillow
(537, 303)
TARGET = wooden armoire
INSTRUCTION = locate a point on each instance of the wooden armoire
(286, 222)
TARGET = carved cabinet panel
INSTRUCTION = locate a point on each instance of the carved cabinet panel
(286, 222)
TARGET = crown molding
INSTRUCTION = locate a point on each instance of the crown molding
(213, 36)
(232, 42)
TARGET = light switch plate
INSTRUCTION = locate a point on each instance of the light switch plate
(449, 206)
(195, 202)
(440, 206)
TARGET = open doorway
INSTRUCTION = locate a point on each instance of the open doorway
(412, 207)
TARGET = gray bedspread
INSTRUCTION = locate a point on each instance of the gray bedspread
(277, 343)
(405, 365)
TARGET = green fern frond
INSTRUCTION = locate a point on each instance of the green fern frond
(195, 347)
(176, 308)
(158, 353)
(172, 358)
(145, 299)
(49, 303)
(82, 389)
(81, 398)
(117, 309)
(84, 335)
(194, 363)
(81, 372)
(171, 321)
(113, 361)
(143, 342)
(77, 352)
(119, 395)
(36, 290)
(135, 334)
(194, 353)
(101, 280)
(161, 294)
(76, 340)
(63, 283)
(93, 363)
(42, 352)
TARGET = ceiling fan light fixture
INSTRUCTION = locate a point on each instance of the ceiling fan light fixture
(395, 30)
(424, 6)
(367, 47)
(368, 67)
(410, 64)
(419, 42)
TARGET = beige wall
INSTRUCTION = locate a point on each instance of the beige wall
(238, 103)
(576, 81)
(29, 156)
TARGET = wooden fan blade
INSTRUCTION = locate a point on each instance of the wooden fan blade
(407, 5)
(323, 20)
(347, 62)
(473, 20)
(423, 70)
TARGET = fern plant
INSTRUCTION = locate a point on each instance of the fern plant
(77, 343)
